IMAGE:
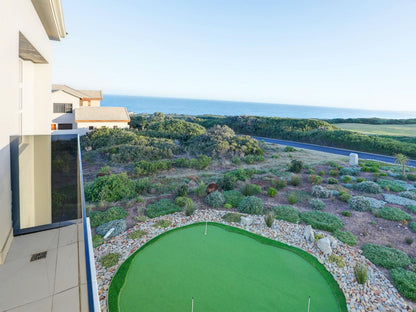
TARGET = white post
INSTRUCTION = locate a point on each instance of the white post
(309, 303)
(206, 227)
(192, 304)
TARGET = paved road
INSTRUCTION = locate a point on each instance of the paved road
(334, 150)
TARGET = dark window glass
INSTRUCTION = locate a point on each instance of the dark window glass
(64, 126)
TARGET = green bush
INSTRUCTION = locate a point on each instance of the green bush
(346, 179)
(298, 196)
(411, 177)
(105, 170)
(272, 192)
(412, 209)
(161, 207)
(412, 226)
(143, 185)
(201, 190)
(233, 198)
(393, 214)
(110, 259)
(346, 237)
(251, 205)
(408, 194)
(232, 217)
(182, 190)
(118, 225)
(286, 213)
(289, 149)
(279, 183)
(296, 166)
(359, 203)
(344, 196)
(346, 213)
(405, 282)
(228, 206)
(331, 180)
(386, 257)
(315, 179)
(162, 223)
(334, 173)
(111, 188)
(317, 204)
(236, 160)
(145, 167)
(97, 240)
(368, 187)
(338, 260)
(251, 159)
(189, 210)
(215, 199)
(295, 180)
(175, 129)
(227, 182)
(321, 172)
(183, 202)
(351, 171)
(201, 162)
(360, 179)
(251, 189)
(360, 272)
(322, 220)
(136, 234)
(291, 198)
(100, 217)
(268, 219)
(391, 185)
(319, 191)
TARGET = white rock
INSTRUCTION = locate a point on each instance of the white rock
(246, 221)
(324, 244)
(309, 234)
(353, 159)
(334, 242)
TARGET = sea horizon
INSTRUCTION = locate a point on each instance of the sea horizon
(187, 106)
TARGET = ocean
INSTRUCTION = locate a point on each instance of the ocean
(145, 104)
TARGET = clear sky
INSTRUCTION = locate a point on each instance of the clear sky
(352, 53)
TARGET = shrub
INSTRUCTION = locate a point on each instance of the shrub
(320, 192)
(360, 272)
(359, 203)
(331, 180)
(232, 217)
(268, 219)
(411, 177)
(251, 159)
(338, 260)
(228, 206)
(161, 207)
(289, 149)
(412, 226)
(233, 198)
(272, 192)
(409, 240)
(361, 179)
(344, 196)
(236, 160)
(143, 186)
(109, 259)
(136, 234)
(346, 179)
(346, 237)
(291, 198)
(279, 183)
(111, 188)
(286, 213)
(368, 187)
(390, 185)
(412, 209)
(317, 204)
(317, 237)
(162, 223)
(295, 180)
(296, 166)
(408, 194)
(105, 170)
(398, 200)
(251, 205)
(145, 167)
(346, 213)
(393, 214)
(334, 173)
(182, 190)
(298, 196)
(97, 240)
(99, 217)
(227, 182)
(332, 164)
(201, 162)
(322, 220)
(183, 201)
(321, 172)
(141, 218)
(251, 189)
(315, 179)
(405, 282)
(351, 171)
(215, 199)
(201, 190)
(189, 210)
(386, 257)
(118, 225)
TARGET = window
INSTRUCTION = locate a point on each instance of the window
(62, 108)
(115, 127)
(53, 126)
(64, 126)
(91, 127)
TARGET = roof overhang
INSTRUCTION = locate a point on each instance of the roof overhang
(51, 15)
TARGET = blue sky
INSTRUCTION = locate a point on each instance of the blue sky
(358, 54)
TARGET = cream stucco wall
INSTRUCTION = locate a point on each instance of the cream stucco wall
(63, 97)
(92, 103)
(20, 16)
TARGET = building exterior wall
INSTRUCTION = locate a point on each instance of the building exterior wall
(20, 16)
(63, 97)
(92, 103)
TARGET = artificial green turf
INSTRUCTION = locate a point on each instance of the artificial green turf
(223, 271)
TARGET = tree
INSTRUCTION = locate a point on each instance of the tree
(402, 160)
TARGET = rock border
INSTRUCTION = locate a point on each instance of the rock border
(378, 294)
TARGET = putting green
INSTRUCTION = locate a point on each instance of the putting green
(222, 271)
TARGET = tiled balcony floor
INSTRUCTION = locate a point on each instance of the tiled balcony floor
(57, 283)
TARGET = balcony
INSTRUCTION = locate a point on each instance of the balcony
(50, 264)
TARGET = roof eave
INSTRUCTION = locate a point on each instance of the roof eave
(51, 15)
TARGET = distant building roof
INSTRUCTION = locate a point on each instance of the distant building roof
(101, 114)
(82, 94)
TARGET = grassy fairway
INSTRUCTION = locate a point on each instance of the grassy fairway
(223, 271)
(394, 130)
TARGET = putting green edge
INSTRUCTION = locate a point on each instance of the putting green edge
(119, 278)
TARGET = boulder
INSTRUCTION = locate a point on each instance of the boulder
(353, 159)
(246, 221)
(324, 244)
(334, 242)
(309, 234)
(212, 187)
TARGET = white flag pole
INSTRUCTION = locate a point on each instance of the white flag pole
(309, 303)
(192, 304)
(206, 227)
